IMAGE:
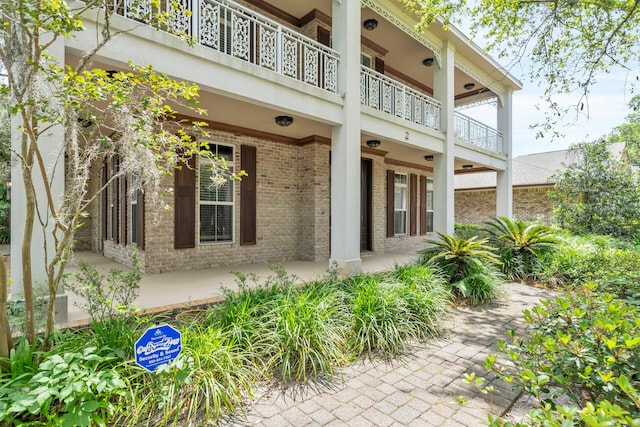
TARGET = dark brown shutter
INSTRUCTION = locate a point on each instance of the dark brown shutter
(248, 196)
(105, 200)
(116, 201)
(379, 65)
(124, 220)
(413, 204)
(185, 210)
(423, 205)
(324, 36)
(391, 182)
(140, 219)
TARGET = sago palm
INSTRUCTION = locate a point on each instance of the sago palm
(456, 256)
(521, 244)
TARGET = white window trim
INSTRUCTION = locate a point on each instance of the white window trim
(429, 191)
(406, 208)
(230, 165)
(368, 57)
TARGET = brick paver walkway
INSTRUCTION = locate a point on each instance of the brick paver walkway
(420, 389)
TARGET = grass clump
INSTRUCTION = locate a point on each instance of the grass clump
(296, 334)
(388, 310)
(308, 330)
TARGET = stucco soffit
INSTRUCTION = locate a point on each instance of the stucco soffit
(463, 65)
(400, 20)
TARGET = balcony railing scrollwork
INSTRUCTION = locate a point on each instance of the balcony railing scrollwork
(382, 93)
(475, 133)
(232, 29)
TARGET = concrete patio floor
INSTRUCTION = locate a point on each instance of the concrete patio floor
(195, 287)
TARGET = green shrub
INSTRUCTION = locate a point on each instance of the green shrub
(307, 328)
(467, 231)
(481, 285)
(296, 333)
(612, 264)
(604, 413)
(584, 346)
(426, 297)
(469, 266)
(521, 245)
(241, 315)
(380, 319)
(66, 390)
(106, 296)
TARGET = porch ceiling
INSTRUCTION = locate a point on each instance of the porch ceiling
(400, 52)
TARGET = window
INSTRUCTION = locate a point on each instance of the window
(216, 201)
(137, 213)
(430, 205)
(400, 204)
(134, 216)
(366, 60)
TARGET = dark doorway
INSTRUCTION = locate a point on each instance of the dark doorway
(365, 204)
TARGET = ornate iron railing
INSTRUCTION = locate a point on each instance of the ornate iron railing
(382, 93)
(232, 29)
(476, 133)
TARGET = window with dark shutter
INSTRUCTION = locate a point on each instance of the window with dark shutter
(413, 204)
(137, 213)
(248, 196)
(324, 36)
(216, 199)
(115, 201)
(390, 203)
(124, 220)
(185, 205)
(139, 236)
(105, 200)
(379, 65)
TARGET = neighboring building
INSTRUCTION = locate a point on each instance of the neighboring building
(366, 163)
(532, 180)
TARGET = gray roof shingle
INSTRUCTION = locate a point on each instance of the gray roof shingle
(528, 170)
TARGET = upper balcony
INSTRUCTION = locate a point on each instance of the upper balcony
(399, 86)
(242, 33)
(476, 133)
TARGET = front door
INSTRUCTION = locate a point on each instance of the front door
(365, 205)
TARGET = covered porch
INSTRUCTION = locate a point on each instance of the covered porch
(183, 289)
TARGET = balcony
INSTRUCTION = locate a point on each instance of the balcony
(475, 133)
(237, 31)
(234, 30)
(382, 93)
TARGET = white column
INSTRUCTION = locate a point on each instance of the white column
(443, 165)
(504, 187)
(345, 140)
(51, 146)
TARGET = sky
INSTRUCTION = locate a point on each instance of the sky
(607, 107)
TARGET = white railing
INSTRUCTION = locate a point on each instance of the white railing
(382, 93)
(232, 29)
(475, 133)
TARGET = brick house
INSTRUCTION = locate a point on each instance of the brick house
(344, 116)
(475, 192)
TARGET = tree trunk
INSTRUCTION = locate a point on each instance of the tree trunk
(6, 343)
(27, 279)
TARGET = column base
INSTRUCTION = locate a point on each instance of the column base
(345, 267)
(62, 308)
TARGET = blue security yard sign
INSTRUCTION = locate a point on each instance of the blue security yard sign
(158, 346)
